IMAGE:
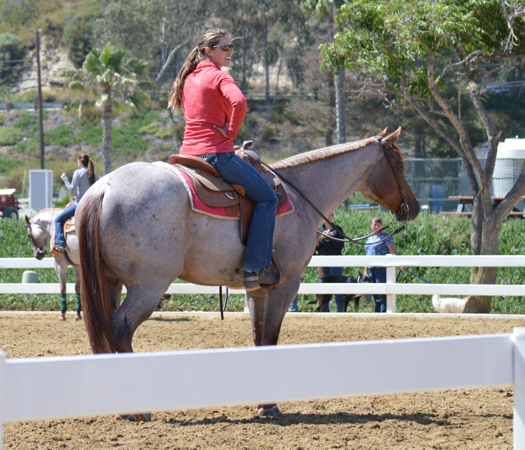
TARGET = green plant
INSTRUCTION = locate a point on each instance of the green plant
(10, 136)
(90, 134)
(151, 128)
(61, 135)
(165, 133)
(2, 119)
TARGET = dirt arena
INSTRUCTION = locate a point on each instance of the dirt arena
(454, 419)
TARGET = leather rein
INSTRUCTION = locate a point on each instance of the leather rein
(402, 208)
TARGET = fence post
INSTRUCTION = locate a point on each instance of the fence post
(2, 404)
(390, 298)
(518, 337)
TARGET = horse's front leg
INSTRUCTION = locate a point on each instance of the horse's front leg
(60, 269)
(277, 303)
(256, 305)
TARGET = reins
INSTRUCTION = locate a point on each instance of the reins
(403, 207)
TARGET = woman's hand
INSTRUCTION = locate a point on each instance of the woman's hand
(223, 130)
(63, 176)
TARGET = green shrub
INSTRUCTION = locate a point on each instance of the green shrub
(78, 37)
(90, 134)
(12, 48)
(29, 119)
(152, 128)
(61, 135)
(10, 136)
(2, 119)
(165, 133)
(269, 133)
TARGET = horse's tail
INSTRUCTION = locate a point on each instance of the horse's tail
(96, 301)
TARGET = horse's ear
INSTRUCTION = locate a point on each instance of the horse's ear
(382, 134)
(391, 138)
(27, 219)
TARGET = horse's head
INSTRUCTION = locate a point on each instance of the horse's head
(386, 182)
(37, 236)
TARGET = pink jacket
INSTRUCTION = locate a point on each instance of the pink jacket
(210, 97)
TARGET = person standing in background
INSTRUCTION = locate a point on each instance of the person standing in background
(376, 246)
(328, 246)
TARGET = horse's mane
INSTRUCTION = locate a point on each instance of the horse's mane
(44, 210)
(327, 152)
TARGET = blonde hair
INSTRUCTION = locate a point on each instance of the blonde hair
(198, 54)
(88, 164)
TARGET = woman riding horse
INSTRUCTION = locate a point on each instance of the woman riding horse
(83, 178)
(214, 109)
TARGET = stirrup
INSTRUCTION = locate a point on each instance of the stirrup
(59, 248)
(250, 282)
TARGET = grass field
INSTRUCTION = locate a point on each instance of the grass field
(428, 235)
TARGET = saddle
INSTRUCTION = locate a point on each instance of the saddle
(216, 193)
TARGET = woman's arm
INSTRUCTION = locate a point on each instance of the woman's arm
(392, 250)
(72, 187)
(236, 98)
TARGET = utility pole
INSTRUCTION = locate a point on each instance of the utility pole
(40, 116)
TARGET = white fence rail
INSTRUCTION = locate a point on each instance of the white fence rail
(412, 365)
(390, 288)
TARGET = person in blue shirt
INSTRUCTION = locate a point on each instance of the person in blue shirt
(83, 178)
(376, 246)
(328, 246)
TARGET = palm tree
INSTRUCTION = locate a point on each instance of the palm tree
(114, 79)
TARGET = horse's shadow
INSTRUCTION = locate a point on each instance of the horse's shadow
(164, 319)
(317, 419)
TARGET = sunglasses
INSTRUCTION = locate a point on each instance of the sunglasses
(225, 47)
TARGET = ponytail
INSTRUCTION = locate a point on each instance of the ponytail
(191, 63)
(88, 164)
(198, 54)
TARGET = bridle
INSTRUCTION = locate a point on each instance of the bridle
(403, 207)
(40, 253)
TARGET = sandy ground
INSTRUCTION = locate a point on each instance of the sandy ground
(453, 419)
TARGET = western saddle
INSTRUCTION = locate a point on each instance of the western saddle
(215, 192)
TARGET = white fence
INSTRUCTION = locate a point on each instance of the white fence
(412, 365)
(390, 288)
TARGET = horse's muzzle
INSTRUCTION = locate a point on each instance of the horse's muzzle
(39, 254)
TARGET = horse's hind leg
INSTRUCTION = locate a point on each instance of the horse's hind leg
(138, 306)
(77, 290)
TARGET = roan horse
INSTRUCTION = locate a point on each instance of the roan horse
(40, 228)
(136, 228)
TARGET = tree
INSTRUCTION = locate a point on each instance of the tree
(154, 30)
(323, 9)
(107, 74)
(411, 50)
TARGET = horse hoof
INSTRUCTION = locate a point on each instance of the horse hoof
(143, 417)
(77, 317)
(265, 412)
(138, 417)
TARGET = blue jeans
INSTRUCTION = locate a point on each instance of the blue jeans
(59, 224)
(339, 299)
(235, 170)
(378, 275)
